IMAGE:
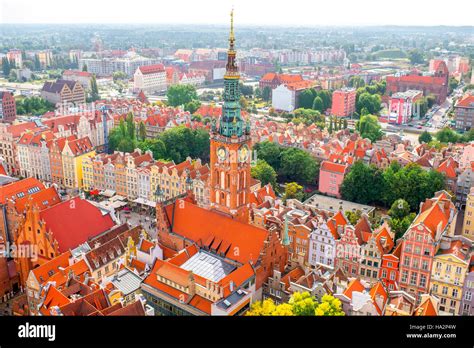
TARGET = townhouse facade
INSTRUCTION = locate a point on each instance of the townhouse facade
(421, 242)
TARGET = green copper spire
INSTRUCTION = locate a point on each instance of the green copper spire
(231, 122)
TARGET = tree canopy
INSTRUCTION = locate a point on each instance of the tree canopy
(367, 184)
(300, 304)
(265, 173)
(369, 127)
(181, 94)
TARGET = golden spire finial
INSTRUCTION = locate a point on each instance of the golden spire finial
(232, 38)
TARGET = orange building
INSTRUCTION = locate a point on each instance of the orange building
(46, 233)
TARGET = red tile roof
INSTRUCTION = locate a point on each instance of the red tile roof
(48, 269)
(201, 225)
(42, 199)
(354, 285)
(152, 69)
(74, 221)
(448, 167)
(466, 102)
(333, 167)
(21, 187)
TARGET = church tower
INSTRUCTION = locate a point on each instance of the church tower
(230, 147)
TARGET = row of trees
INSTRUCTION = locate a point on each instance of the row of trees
(300, 304)
(306, 116)
(317, 100)
(367, 184)
(445, 136)
(175, 144)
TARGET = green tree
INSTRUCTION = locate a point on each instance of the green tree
(326, 97)
(192, 106)
(94, 89)
(400, 226)
(369, 127)
(399, 209)
(293, 191)
(453, 84)
(318, 104)
(305, 99)
(156, 146)
(308, 116)
(37, 63)
(6, 67)
(353, 216)
(421, 107)
(266, 93)
(416, 57)
(245, 90)
(447, 135)
(370, 102)
(303, 304)
(265, 173)
(331, 127)
(142, 131)
(363, 184)
(181, 94)
(269, 152)
(356, 82)
(84, 67)
(298, 165)
(268, 308)
(425, 137)
(411, 183)
(329, 306)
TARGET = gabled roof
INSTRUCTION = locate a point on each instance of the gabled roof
(448, 167)
(19, 189)
(426, 308)
(333, 167)
(204, 226)
(74, 221)
(354, 285)
(48, 269)
(378, 291)
(42, 199)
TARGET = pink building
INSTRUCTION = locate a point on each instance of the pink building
(401, 106)
(331, 176)
(421, 242)
(343, 102)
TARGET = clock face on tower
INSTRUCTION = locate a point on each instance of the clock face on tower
(243, 153)
(221, 153)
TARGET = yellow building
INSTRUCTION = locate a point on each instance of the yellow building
(72, 155)
(449, 270)
(88, 173)
(468, 225)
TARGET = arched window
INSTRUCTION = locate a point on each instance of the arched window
(222, 180)
(217, 197)
(228, 201)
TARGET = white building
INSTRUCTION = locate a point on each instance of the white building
(151, 78)
(322, 241)
(283, 99)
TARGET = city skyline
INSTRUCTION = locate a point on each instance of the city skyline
(302, 13)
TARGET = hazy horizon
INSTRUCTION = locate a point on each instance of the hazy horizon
(248, 13)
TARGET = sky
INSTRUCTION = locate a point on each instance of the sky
(247, 12)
